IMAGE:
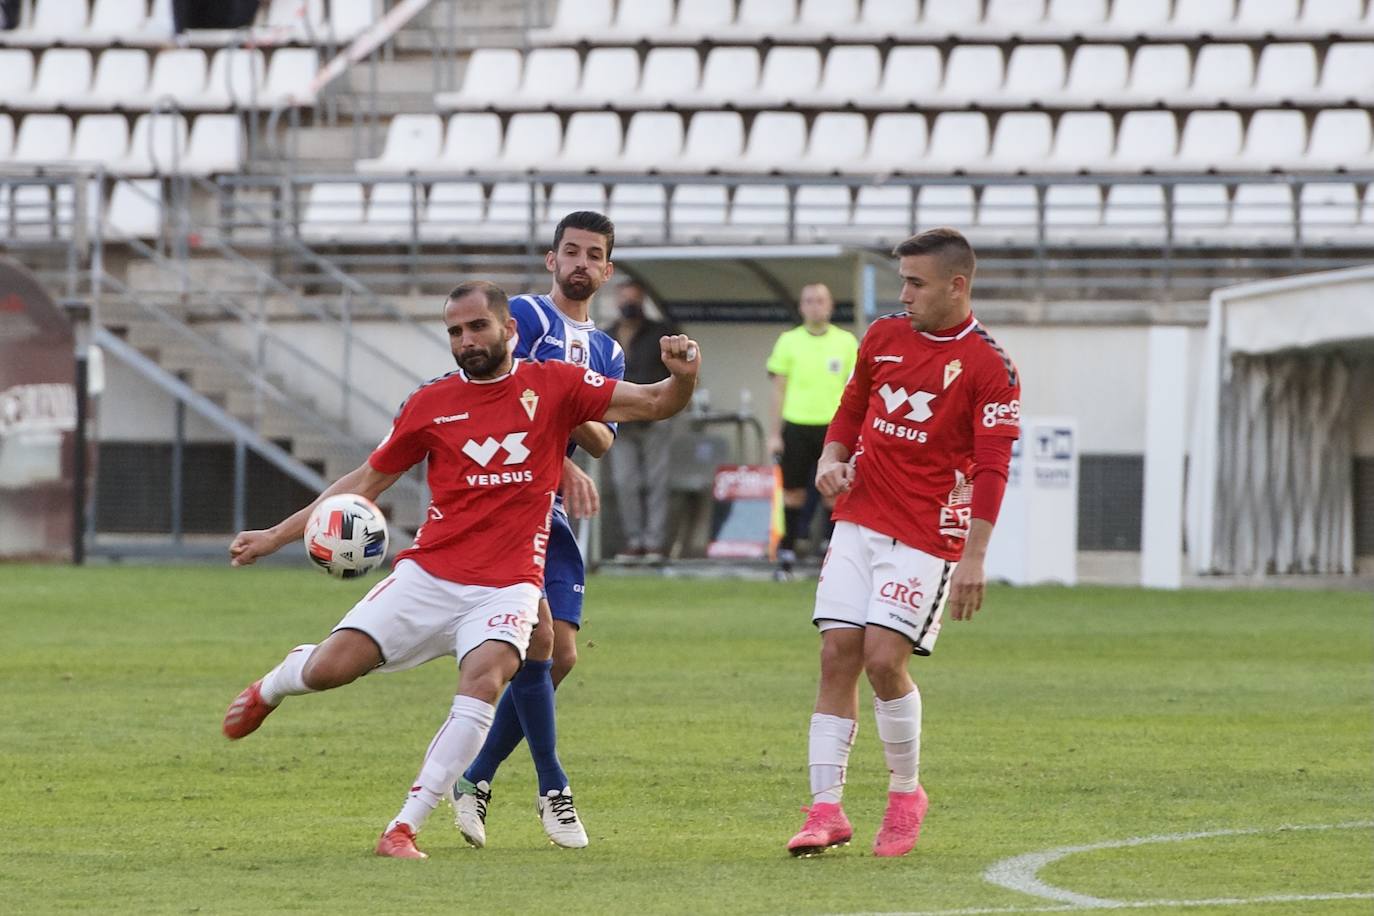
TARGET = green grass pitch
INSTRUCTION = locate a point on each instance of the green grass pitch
(1059, 717)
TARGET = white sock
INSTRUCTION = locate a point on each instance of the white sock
(453, 748)
(831, 739)
(285, 680)
(899, 728)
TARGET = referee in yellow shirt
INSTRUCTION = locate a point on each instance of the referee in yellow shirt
(809, 367)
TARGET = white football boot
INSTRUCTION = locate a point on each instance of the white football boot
(470, 810)
(559, 817)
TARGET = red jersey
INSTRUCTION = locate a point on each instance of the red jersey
(495, 451)
(909, 416)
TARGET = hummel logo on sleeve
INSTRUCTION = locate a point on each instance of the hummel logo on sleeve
(451, 418)
(887, 359)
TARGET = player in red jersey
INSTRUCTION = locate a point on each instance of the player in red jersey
(494, 433)
(917, 456)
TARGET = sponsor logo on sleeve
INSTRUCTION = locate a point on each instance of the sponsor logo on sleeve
(997, 414)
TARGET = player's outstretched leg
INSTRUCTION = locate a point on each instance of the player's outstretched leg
(454, 744)
(256, 701)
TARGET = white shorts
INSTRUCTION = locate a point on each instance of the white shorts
(415, 617)
(871, 579)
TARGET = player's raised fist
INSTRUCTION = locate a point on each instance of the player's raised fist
(248, 546)
(681, 354)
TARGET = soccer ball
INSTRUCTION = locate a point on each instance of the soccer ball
(346, 536)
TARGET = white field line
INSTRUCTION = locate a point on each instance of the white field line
(1019, 873)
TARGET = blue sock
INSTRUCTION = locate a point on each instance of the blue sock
(533, 689)
(505, 736)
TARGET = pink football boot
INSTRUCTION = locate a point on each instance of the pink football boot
(901, 823)
(825, 826)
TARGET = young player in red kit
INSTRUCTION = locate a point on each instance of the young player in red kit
(917, 456)
(494, 433)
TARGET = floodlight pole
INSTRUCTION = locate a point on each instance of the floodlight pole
(79, 312)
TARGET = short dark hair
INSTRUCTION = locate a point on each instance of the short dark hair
(949, 245)
(589, 220)
(497, 300)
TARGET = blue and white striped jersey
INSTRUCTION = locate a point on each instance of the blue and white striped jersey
(545, 333)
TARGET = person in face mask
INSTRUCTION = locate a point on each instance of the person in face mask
(639, 462)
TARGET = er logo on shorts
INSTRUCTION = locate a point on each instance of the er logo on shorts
(872, 579)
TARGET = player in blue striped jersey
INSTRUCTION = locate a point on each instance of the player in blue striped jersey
(553, 326)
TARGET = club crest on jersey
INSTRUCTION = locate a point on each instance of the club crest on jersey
(529, 400)
(577, 354)
(952, 370)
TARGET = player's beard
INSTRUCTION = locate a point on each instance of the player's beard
(576, 286)
(482, 362)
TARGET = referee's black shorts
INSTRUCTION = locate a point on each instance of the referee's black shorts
(801, 449)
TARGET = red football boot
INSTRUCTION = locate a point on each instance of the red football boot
(246, 713)
(399, 843)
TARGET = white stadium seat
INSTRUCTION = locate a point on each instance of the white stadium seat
(42, 140)
(897, 143)
(1267, 14)
(1145, 140)
(639, 211)
(1203, 15)
(883, 213)
(715, 140)
(412, 142)
(111, 21)
(608, 76)
(852, 74)
(100, 138)
(1134, 214)
(53, 20)
(533, 142)
(670, 74)
(16, 71)
(333, 211)
(1348, 72)
(639, 19)
(472, 140)
(1341, 138)
(911, 73)
(1210, 140)
(549, 75)
(822, 15)
(821, 209)
(393, 211)
(729, 74)
(1138, 16)
(698, 211)
(1011, 211)
(348, 18)
(289, 76)
(1083, 142)
(703, 18)
(885, 17)
(300, 20)
(237, 78)
(1073, 212)
(787, 74)
(591, 142)
(759, 212)
(950, 14)
(454, 210)
(568, 196)
(972, 73)
(1075, 13)
(838, 142)
(1274, 139)
(1286, 71)
(157, 146)
(578, 20)
(1020, 142)
(653, 139)
(958, 140)
(1200, 212)
(63, 73)
(1330, 14)
(1263, 213)
(215, 146)
(764, 17)
(1222, 71)
(777, 142)
(121, 78)
(1013, 14)
(178, 76)
(6, 136)
(135, 209)
(1159, 72)
(1035, 72)
(516, 209)
(492, 75)
(944, 205)
(1329, 212)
